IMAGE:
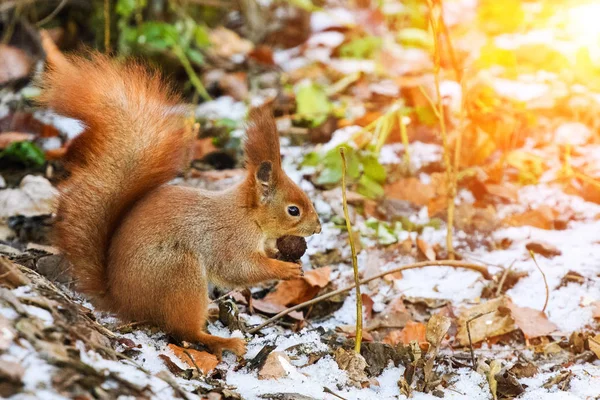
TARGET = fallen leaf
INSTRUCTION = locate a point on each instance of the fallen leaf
(235, 85)
(173, 368)
(412, 331)
(354, 364)
(34, 196)
(263, 54)
(437, 326)
(542, 217)
(11, 378)
(227, 43)
(206, 362)
(14, 63)
(297, 291)
(524, 370)
(426, 249)
(395, 315)
(544, 249)
(594, 343)
(533, 323)
(412, 190)
(272, 308)
(487, 320)
(367, 303)
(475, 219)
(504, 191)
(277, 365)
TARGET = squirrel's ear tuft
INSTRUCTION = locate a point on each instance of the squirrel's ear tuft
(265, 180)
(262, 142)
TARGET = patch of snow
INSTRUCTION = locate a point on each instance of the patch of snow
(222, 107)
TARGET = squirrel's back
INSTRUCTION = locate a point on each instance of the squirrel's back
(134, 141)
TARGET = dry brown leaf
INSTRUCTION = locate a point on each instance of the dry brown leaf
(505, 191)
(235, 85)
(544, 249)
(353, 363)
(297, 291)
(367, 303)
(474, 219)
(542, 217)
(426, 249)
(318, 277)
(14, 63)
(206, 362)
(486, 320)
(594, 343)
(532, 322)
(412, 190)
(277, 365)
(437, 326)
(272, 308)
(412, 331)
(226, 43)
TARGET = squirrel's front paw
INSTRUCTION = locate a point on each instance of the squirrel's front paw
(291, 271)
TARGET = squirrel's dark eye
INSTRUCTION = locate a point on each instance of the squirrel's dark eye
(293, 211)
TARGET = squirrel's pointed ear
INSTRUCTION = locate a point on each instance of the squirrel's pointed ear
(265, 180)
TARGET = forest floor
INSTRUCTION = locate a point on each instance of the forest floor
(527, 211)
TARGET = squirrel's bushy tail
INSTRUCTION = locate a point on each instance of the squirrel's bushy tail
(134, 141)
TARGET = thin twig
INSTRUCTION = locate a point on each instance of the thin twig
(545, 281)
(439, 263)
(354, 258)
(503, 278)
(473, 361)
(331, 392)
(53, 14)
(449, 46)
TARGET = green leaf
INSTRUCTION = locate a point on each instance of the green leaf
(26, 153)
(201, 36)
(329, 176)
(414, 37)
(361, 47)
(369, 188)
(195, 56)
(385, 236)
(312, 103)
(312, 159)
(157, 35)
(372, 168)
(125, 7)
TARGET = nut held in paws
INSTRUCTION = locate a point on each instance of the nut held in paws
(291, 248)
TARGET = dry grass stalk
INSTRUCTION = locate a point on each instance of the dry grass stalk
(354, 258)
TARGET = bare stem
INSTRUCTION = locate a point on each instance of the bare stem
(450, 189)
(194, 79)
(545, 281)
(354, 258)
(439, 263)
(107, 26)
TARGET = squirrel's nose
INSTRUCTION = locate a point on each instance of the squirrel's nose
(318, 228)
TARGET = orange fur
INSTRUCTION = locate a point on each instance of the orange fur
(147, 250)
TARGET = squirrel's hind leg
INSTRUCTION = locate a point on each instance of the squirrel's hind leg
(185, 316)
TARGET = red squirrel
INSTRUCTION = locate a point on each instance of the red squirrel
(145, 249)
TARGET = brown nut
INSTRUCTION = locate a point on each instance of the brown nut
(291, 248)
